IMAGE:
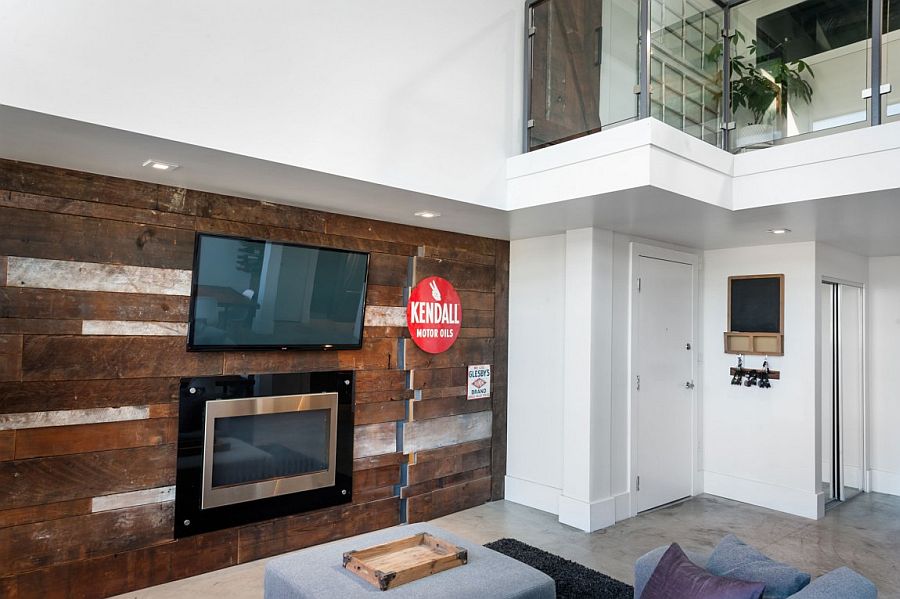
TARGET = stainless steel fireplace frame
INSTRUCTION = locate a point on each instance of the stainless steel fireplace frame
(212, 497)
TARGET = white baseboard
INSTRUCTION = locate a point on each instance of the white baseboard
(532, 494)
(587, 516)
(623, 506)
(882, 481)
(775, 497)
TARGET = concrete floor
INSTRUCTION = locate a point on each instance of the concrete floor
(863, 534)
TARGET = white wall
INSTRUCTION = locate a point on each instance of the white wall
(884, 375)
(760, 446)
(536, 347)
(418, 95)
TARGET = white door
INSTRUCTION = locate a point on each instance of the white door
(664, 400)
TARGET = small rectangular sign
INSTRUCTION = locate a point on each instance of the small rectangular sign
(479, 382)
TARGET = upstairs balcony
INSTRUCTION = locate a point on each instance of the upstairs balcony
(739, 74)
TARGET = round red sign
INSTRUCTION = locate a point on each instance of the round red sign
(433, 314)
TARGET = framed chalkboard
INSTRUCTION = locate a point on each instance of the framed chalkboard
(756, 304)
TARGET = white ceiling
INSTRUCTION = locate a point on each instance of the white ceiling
(865, 224)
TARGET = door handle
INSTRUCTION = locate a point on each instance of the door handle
(689, 385)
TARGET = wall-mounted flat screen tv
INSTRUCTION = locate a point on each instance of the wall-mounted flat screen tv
(254, 294)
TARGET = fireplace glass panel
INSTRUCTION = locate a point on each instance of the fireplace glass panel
(260, 447)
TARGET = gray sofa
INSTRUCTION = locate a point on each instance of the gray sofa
(842, 583)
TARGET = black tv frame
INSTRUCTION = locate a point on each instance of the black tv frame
(324, 346)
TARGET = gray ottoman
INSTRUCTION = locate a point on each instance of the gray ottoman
(317, 573)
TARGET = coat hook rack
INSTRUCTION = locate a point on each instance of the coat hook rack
(753, 377)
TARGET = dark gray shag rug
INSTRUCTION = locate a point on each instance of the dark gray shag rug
(572, 580)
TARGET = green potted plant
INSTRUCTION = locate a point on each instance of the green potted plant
(759, 88)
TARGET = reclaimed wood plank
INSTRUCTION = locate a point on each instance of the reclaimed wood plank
(471, 277)
(30, 420)
(385, 316)
(39, 326)
(375, 354)
(463, 462)
(449, 451)
(30, 546)
(127, 214)
(47, 396)
(374, 439)
(462, 353)
(499, 371)
(3, 271)
(369, 495)
(475, 333)
(242, 210)
(441, 502)
(50, 480)
(58, 182)
(380, 380)
(376, 477)
(424, 378)
(382, 411)
(65, 237)
(383, 295)
(11, 357)
(379, 461)
(477, 300)
(36, 303)
(119, 501)
(388, 270)
(134, 328)
(477, 318)
(381, 396)
(7, 445)
(44, 512)
(427, 486)
(386, 332)
(447, 406)
(53, 358)
(85, 438)
(372, 229)
(437, 432)
(451, 252)
(91, 276)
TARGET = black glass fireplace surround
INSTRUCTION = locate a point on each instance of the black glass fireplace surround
(262, 446)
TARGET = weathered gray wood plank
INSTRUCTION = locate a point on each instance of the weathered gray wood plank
(133, 327)
(374, 439)
(72, 417)
(385, 316)
(132, 499)
(449, 430)
(90, 276)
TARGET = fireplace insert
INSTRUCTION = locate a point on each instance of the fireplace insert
(262, 446)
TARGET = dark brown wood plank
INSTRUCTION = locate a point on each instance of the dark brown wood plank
(3, 266)
(44, 512)
(471, 277)
(32, 546)
(382, 411)
(428, 486)
(76, 358)
(375, 354)
(449, 252)
(376, 477)
(65, 237)
(373, 229)
(431, 469)
(50, 480)
(286, 534)
(477, 318)
(51, 396)
(388, 270)
(425, 378)
(382, 396)
(10, 357)
(449, 451)
(383, 295)
(476, 300)
(85, 438)
(369, 495)
(380, 380)
(448, 500)
(379, 461)
(499, 371)
(107, 211)
(63, 183)
(17, 302)
(462, 353)
(475, 333)
(39, 326)
(447, 406)
(242, 210)
(7, 445)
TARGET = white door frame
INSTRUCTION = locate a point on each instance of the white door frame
(639, 250)
(864, 342)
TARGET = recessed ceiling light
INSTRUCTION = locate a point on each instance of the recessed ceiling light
(779, 231)
(160, 165)
(427, 214)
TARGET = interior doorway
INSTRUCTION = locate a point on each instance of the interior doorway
(843, 392)
(663, 395)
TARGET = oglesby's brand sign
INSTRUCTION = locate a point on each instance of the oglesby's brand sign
(433, 315)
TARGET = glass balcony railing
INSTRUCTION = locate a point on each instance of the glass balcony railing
(738, 74)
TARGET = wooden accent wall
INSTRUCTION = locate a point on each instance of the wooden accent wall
(94, 291)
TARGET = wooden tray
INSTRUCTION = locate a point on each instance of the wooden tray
(404, 560)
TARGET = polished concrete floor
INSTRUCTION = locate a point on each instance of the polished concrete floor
(863, 534)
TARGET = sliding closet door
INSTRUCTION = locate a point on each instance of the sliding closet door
(826, 293)
(851, 389)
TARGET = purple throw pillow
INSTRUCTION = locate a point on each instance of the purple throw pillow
(677, 577)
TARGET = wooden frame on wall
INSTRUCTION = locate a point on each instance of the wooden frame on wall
(755, 327)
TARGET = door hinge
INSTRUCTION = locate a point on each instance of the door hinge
(638, 382)
(639, 284)
(638, 484)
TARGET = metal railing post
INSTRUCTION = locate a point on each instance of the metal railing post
(727, 114)
(644, 60)
(875, 82)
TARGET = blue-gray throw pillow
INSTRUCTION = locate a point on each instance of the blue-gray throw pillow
(735, 559)
(677, 577)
